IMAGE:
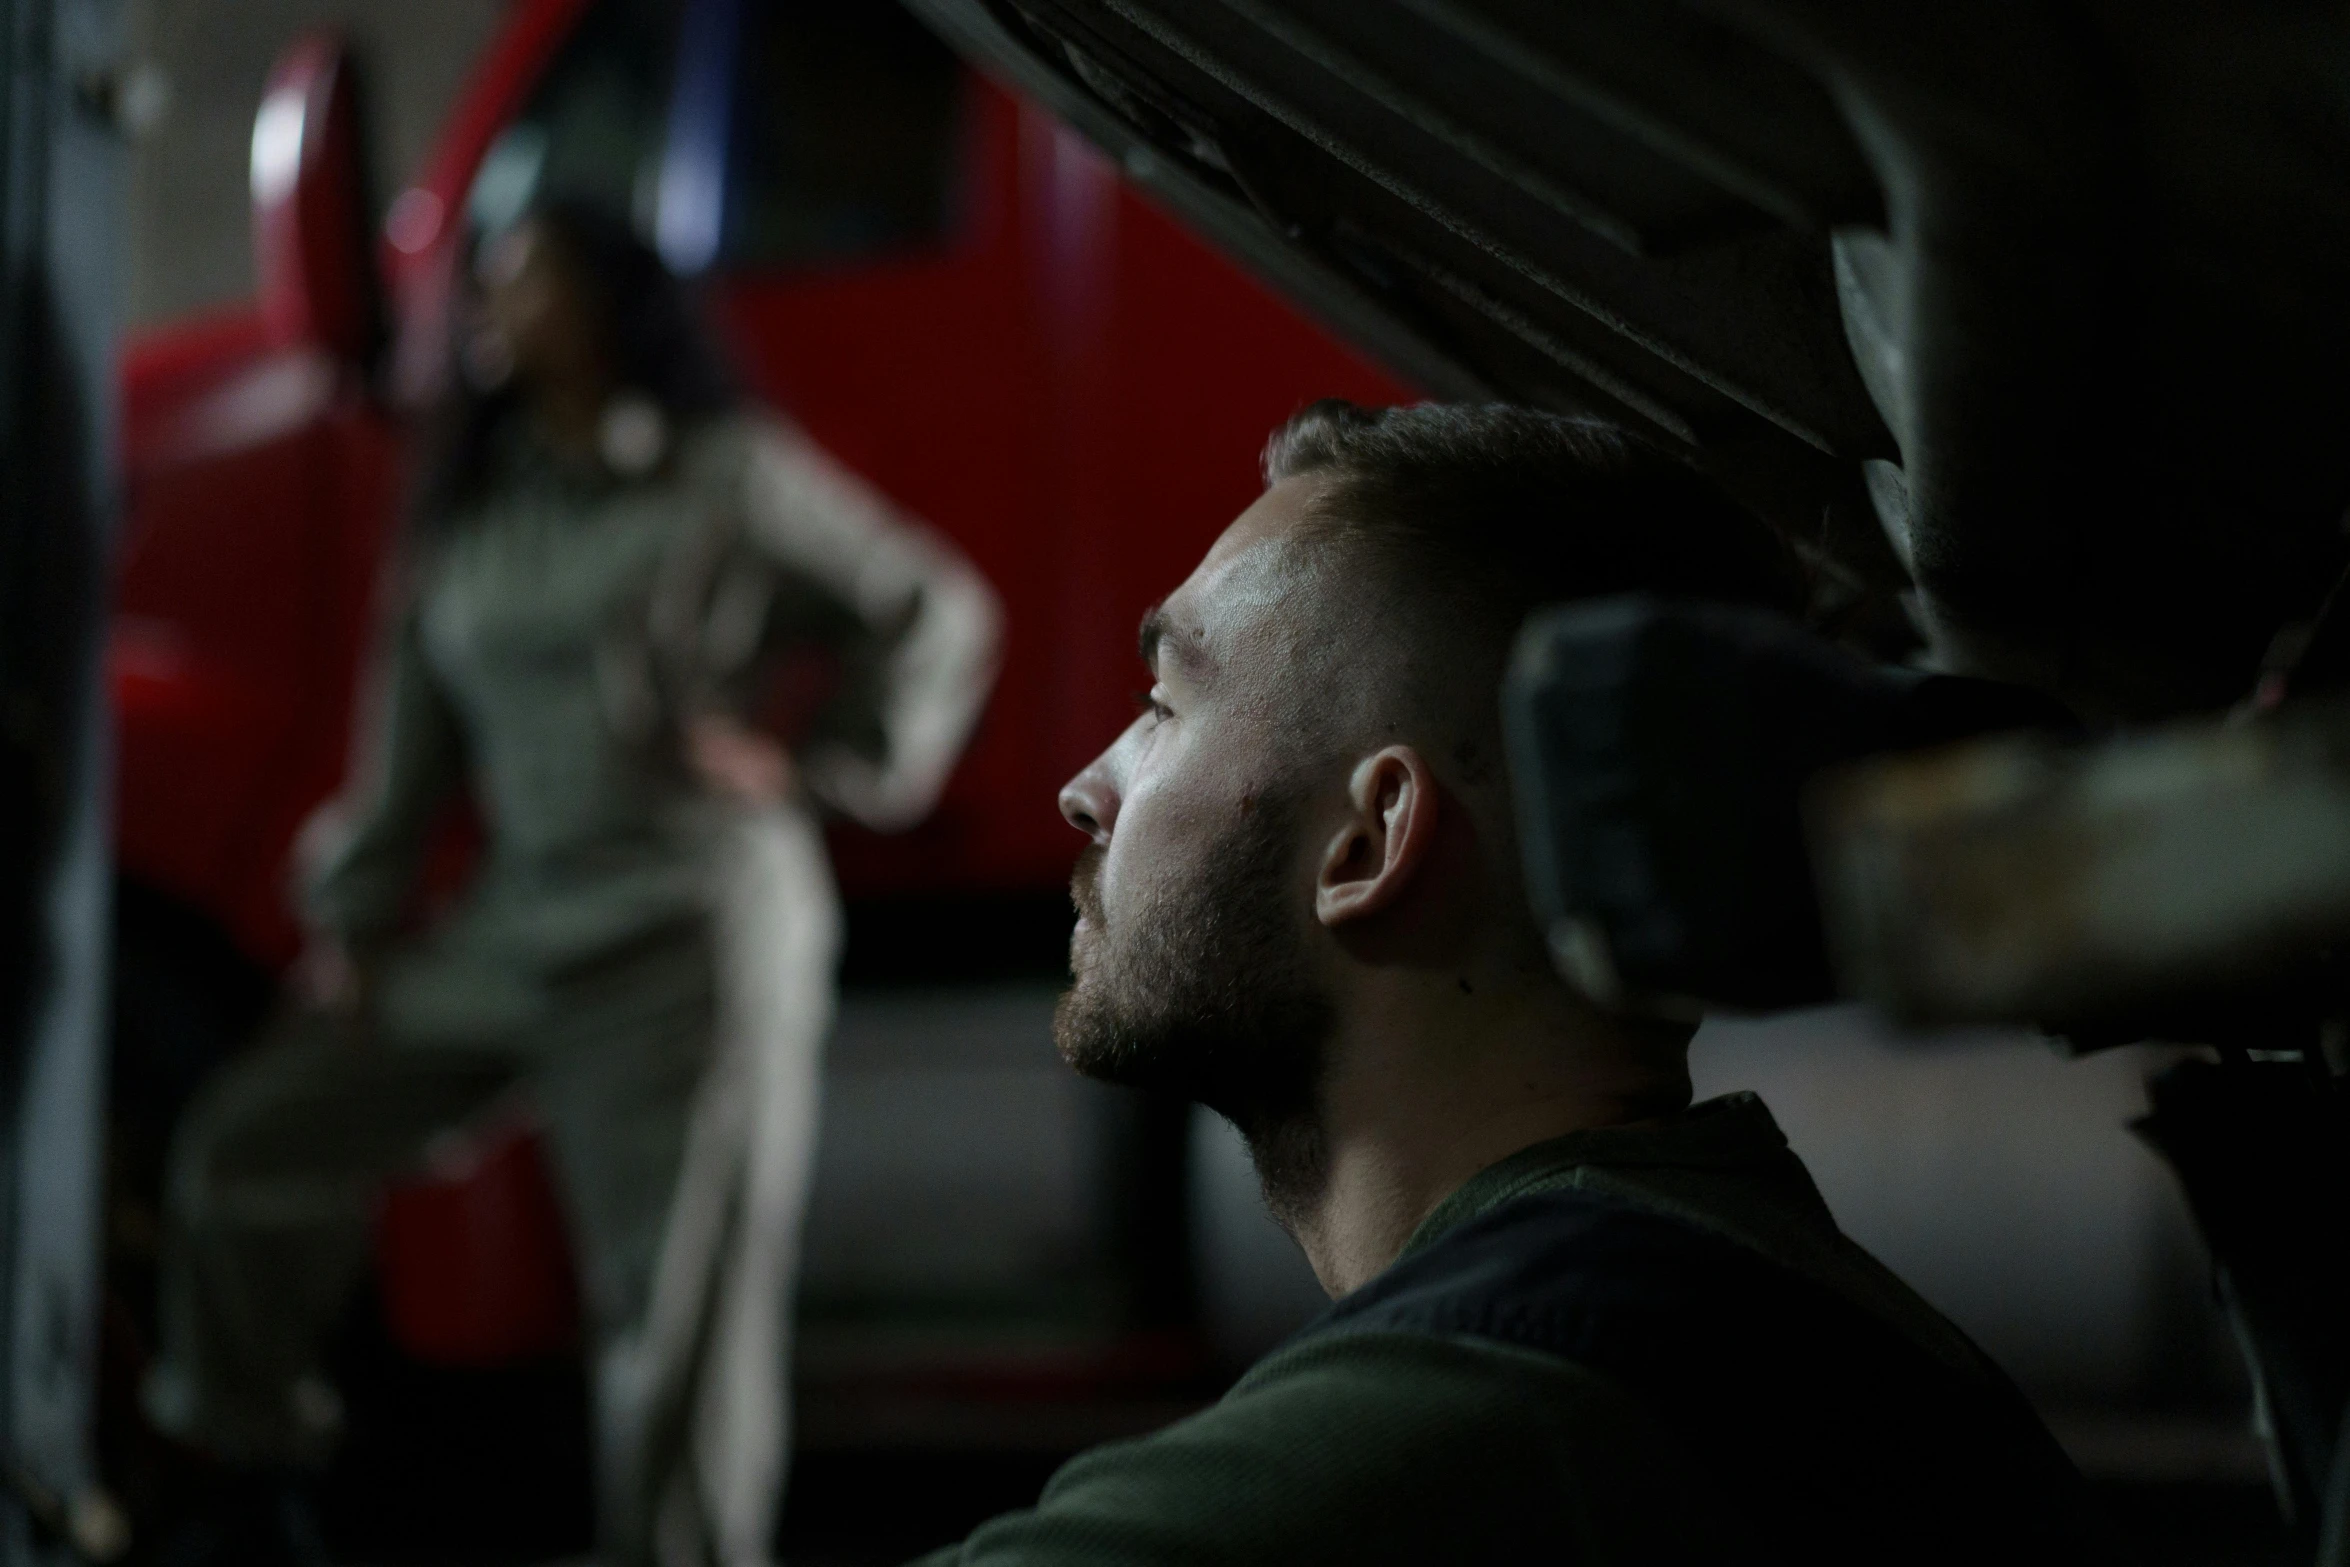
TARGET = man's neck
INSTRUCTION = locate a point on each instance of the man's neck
(1426, 1086)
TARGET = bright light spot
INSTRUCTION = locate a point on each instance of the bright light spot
(144, 98)
(691, 218)
(508, 178)
(414, 221)
(277, 145)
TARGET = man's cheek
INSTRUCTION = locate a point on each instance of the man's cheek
(1130, 847)
(1160, 832)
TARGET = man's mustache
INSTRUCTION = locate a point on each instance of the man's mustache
(1085, 885)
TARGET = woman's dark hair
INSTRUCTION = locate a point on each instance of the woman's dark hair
(653, 331)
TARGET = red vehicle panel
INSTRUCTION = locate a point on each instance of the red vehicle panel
(259, 490)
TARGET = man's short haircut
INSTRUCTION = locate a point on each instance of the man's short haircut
(1467, 517)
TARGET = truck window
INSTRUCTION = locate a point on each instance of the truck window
(742, 136)
(845, 136)
(593, 129)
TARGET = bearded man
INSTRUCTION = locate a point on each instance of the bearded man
(1577, 1318)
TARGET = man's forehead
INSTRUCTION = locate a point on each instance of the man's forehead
(1272, 518)
(1248, 576)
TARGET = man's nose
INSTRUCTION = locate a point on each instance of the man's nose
(1089, 802)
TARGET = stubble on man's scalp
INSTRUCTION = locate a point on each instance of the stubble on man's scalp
(1205, 993)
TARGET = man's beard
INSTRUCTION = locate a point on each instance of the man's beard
(1206, 993)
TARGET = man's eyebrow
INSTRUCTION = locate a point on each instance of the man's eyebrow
(1159, 630)
(1154, 627)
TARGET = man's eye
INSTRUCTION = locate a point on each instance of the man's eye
(1148, 702)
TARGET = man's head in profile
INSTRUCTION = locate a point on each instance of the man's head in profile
(1580, 1318)
(1301, 904)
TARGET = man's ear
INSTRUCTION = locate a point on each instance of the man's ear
(1389, 827)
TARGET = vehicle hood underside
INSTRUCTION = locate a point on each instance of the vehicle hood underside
(2024, 320)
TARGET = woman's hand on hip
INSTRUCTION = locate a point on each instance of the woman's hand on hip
(741, 763)
(337, 978)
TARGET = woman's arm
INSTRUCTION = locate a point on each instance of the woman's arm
(359, 854)
(906, 584)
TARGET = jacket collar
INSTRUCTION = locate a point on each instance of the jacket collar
(1733, 1135)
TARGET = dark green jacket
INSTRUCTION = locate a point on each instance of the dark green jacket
(1379, 1445)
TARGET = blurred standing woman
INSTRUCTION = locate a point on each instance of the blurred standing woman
(607, 559)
